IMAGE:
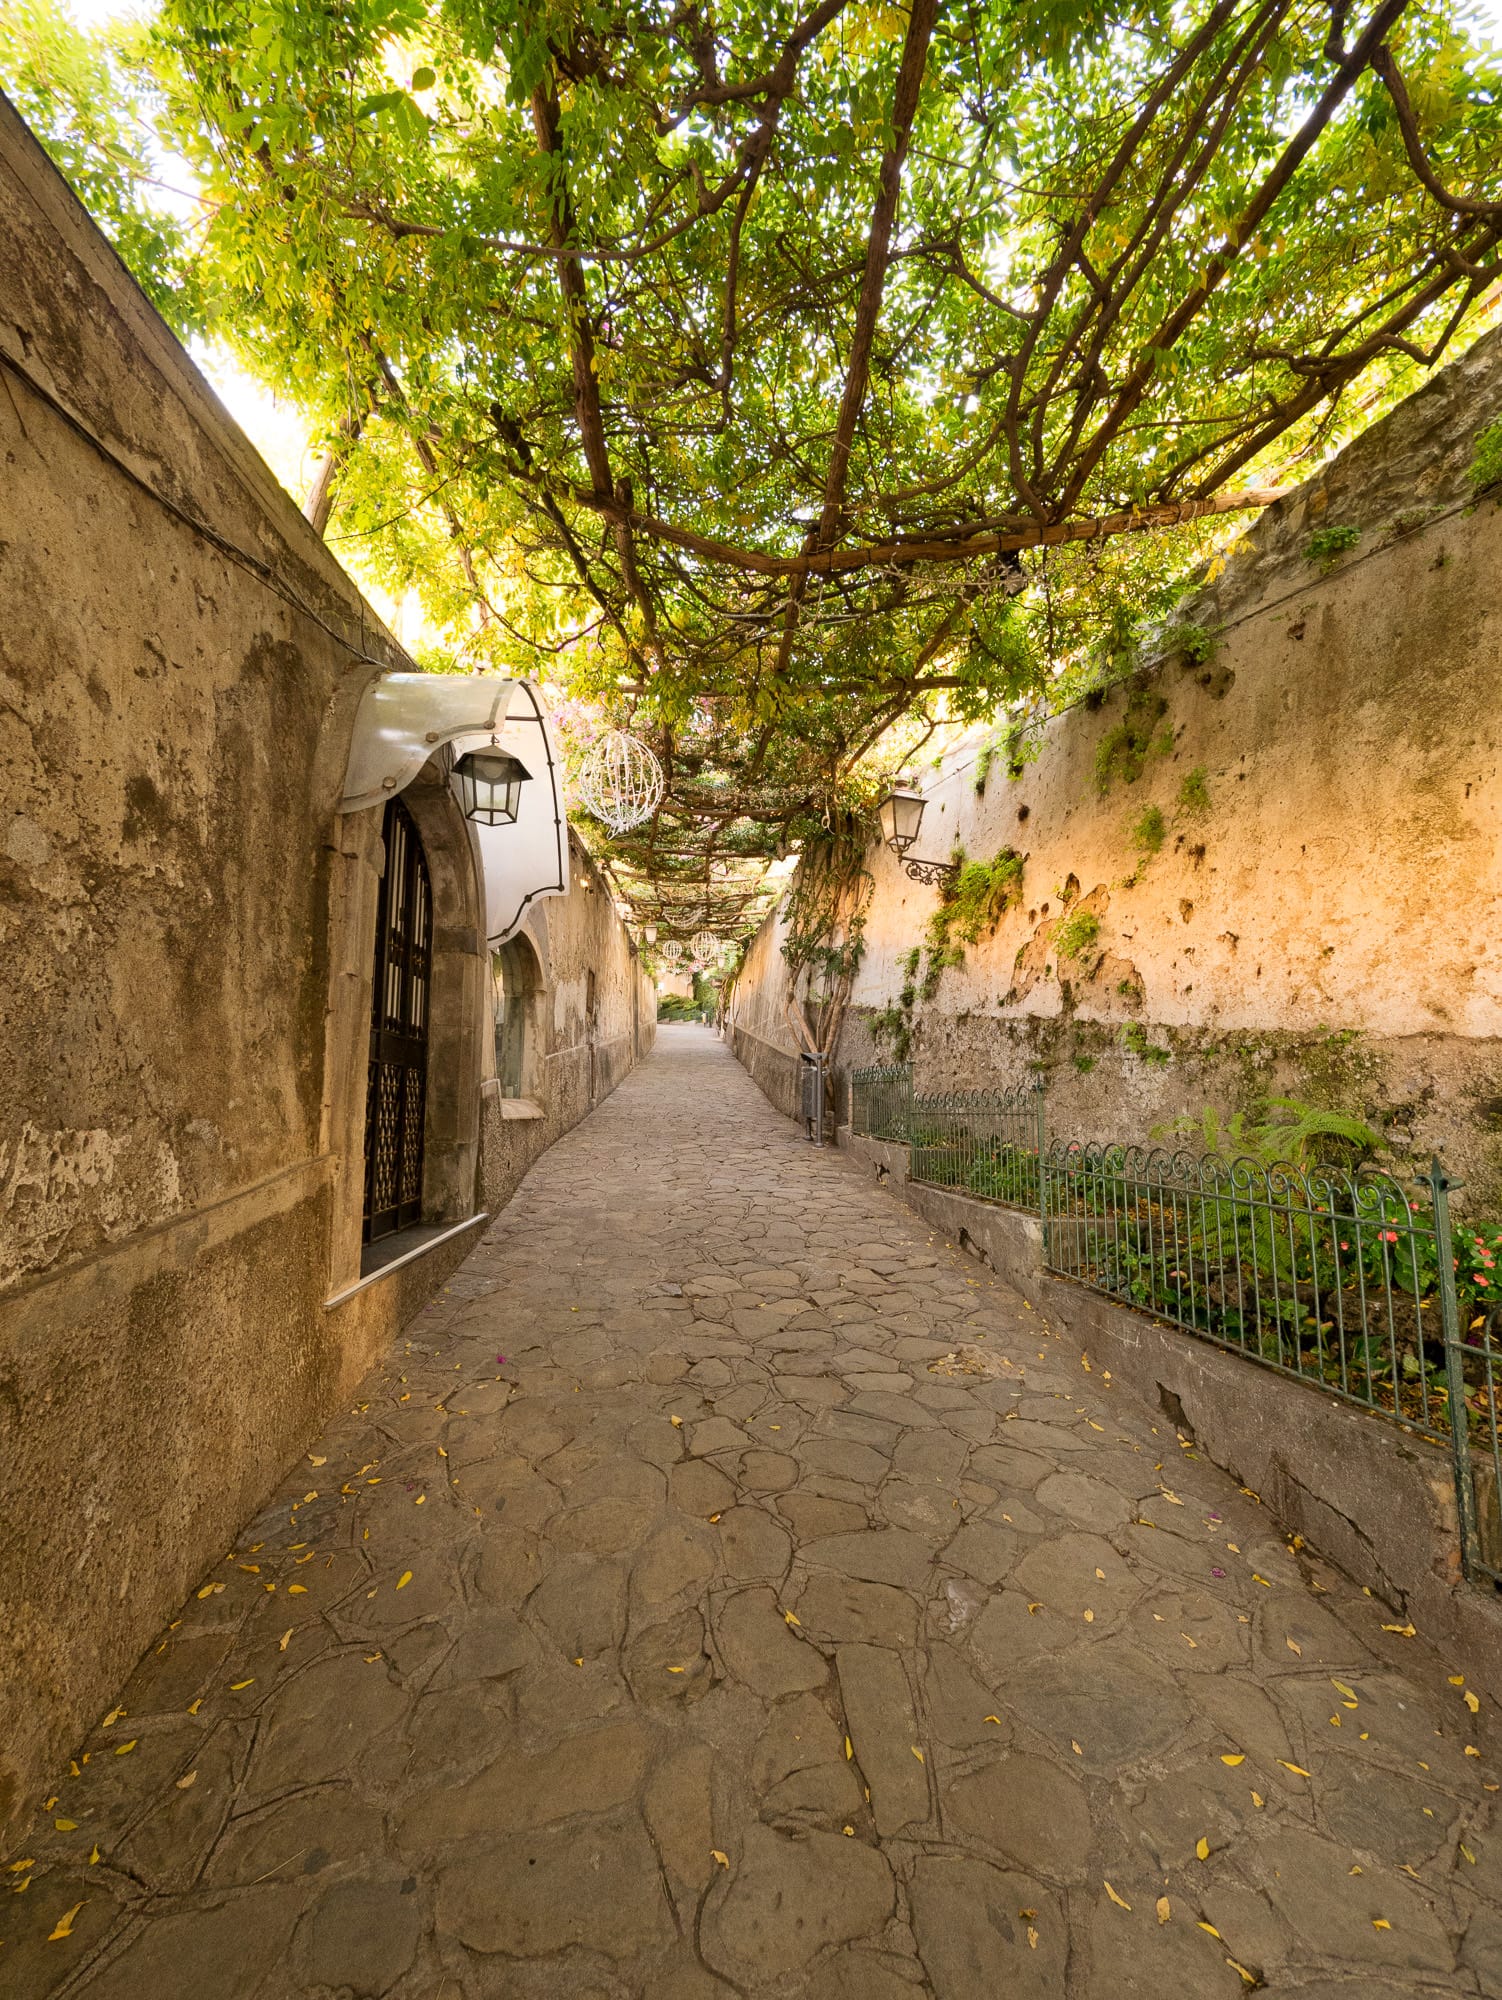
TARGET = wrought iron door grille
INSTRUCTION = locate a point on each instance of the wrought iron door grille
(398, 1073)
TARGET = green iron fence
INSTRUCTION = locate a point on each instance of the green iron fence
(1345, 1281)
(881, 1097)
(982, 1142)
(1348, 1281)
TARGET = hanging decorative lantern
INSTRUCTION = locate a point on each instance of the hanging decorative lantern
(620, 781)
(490, 784)
(649, 932)
(704, 945)
(671, 949)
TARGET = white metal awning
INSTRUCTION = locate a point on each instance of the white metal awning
(528, 861)
(405, 719)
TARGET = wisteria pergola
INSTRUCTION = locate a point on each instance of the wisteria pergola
(734, 368)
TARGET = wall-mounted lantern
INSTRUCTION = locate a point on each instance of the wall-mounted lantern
(649, 932)
(900, 816)
(490, 784)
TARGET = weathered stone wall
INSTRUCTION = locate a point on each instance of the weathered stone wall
(1322, 918)
(186, 936)
(595, 1017)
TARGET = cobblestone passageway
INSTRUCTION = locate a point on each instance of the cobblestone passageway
(729, 1589)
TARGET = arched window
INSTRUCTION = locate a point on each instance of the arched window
(396, 1101)
(516, 985)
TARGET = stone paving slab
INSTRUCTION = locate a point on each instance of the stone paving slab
(728, 1588)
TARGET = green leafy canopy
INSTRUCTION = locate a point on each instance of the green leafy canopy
(750, 372)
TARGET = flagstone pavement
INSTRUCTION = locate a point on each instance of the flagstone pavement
(728, 1588)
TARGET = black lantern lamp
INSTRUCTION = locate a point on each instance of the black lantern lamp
(490, 784)
(900, 815)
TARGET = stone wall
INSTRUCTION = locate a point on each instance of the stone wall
(593, 1018)
(1321, 918)
(186, 939)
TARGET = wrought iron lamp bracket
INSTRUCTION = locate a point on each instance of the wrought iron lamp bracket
(935, 873)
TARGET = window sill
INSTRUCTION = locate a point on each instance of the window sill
(389, 1253)
(519, 1107)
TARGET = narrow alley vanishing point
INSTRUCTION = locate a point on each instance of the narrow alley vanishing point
(727, 1588)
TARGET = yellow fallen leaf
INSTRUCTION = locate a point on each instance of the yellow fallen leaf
(1341, 1688)
(194, 1706)
(1120, 1901)
(1236, 1966)
(916, 1752)
(281, 1644)
(316, 1461)
(309, 1496)
(1297, 1769)
(1258, 1800)
(1457, 1680)
(20, 1867)
(66, 1825)
(1471, 1750)
(677, 1422)
(404, 1579)
(790, 1619)
(1032, 1938)
(1467, 1854)
(1033, 1608)
(442, 1453)
(677, 1670)
(1202, 1848)
(93, 1857)
(712, 1519)
(371, 1658)
(116, 1713)
(1238, 1758)
(1403, 1631)
(1075, 1748)
(183, 1783)
(1164, 1909)
(723, 1859)
(235, 1686)
(1381, 1924)
(580, 1661)
(849, 1830)
(985, 1718)
(122, 1748)
(297, 1590)
(1101, 1574)
(64, 1925)
(1262, 1580)
(1210, 1928)
(849, 1749)
(1294, 1647)
(1471, 1702)
(209, 1589)
(1089, 1617)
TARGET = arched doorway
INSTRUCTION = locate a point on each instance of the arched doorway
(517, 983)
(396, 1100)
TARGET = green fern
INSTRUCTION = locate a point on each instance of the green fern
(1299, 1138)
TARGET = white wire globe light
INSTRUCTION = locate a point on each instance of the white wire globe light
(619, 781)
(670, 949)
(704, 945)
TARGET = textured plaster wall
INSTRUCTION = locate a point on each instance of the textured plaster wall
(1329, 925)
(186, 931)
(580, 1051)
